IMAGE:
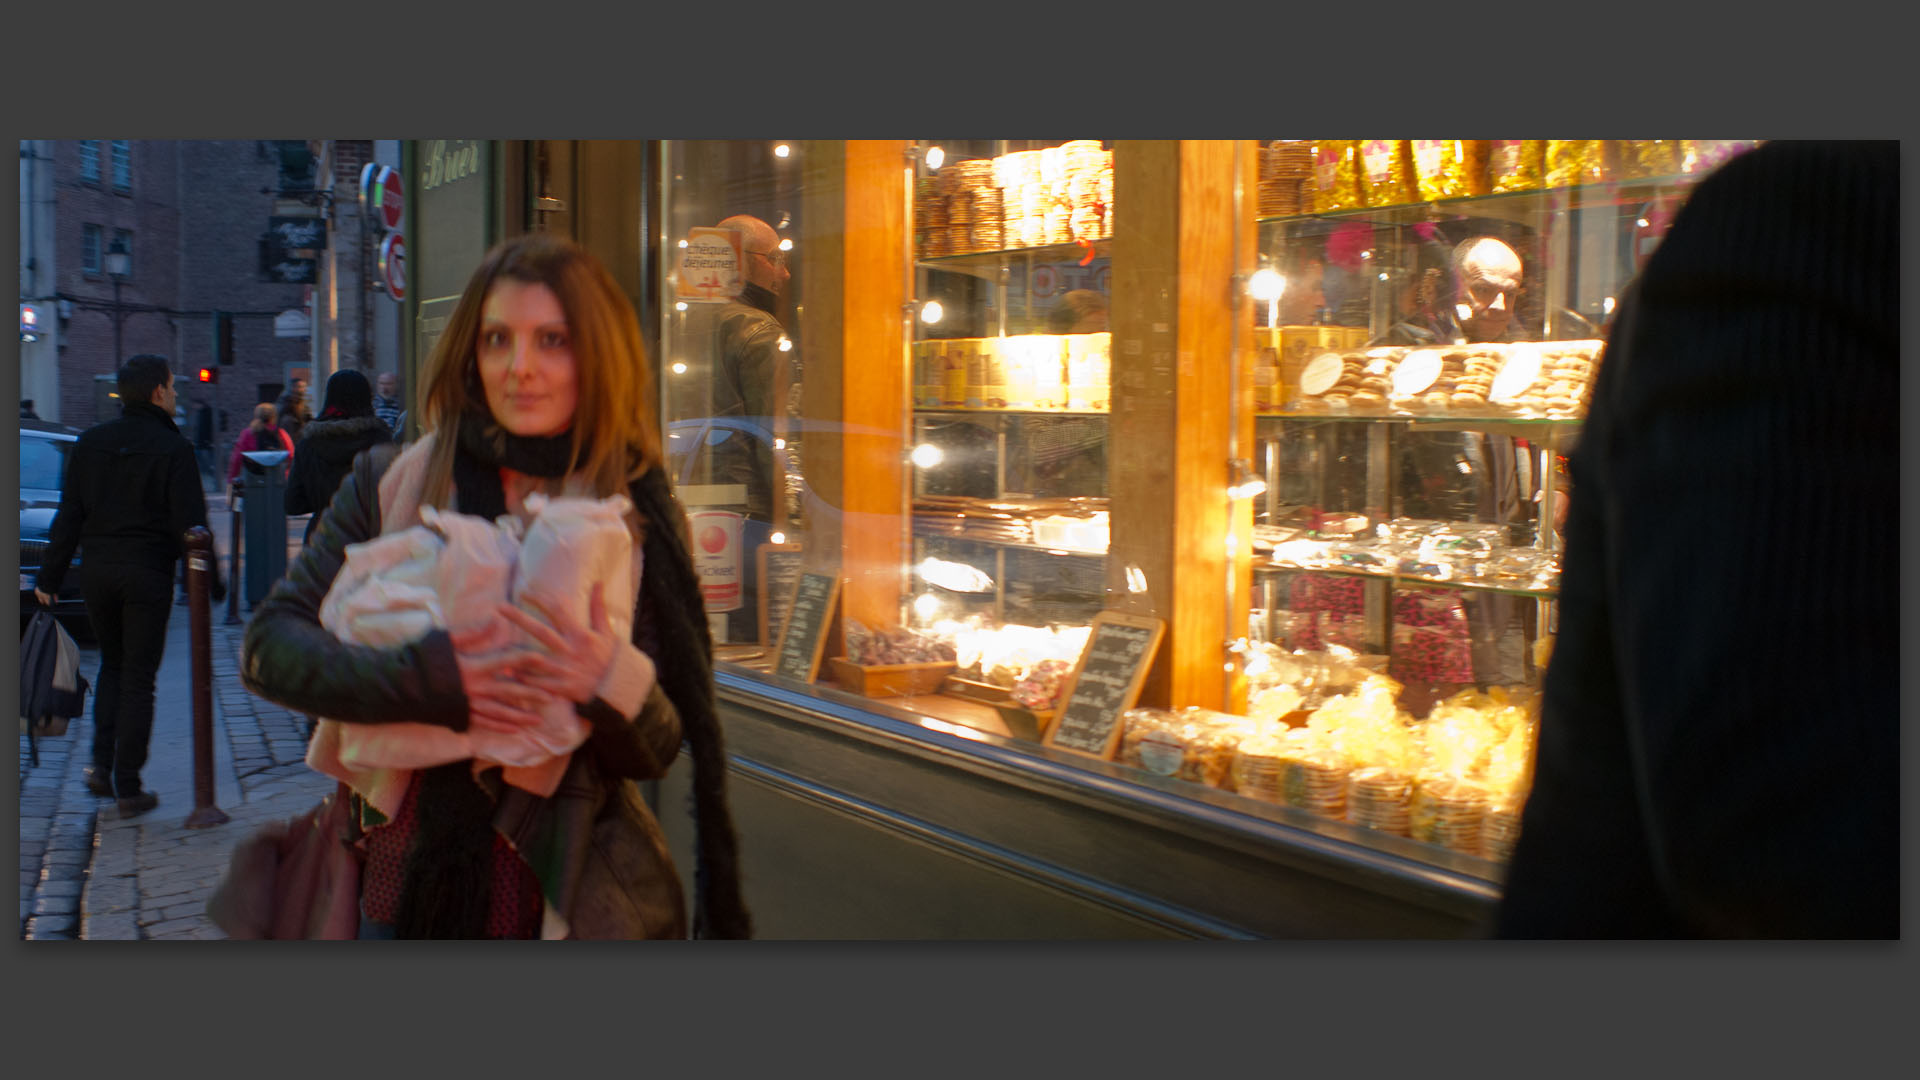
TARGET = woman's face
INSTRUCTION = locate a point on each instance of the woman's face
(526, 359)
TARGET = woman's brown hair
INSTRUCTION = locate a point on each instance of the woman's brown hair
(616, 429)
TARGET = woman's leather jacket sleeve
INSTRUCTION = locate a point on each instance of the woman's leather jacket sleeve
(290, 659)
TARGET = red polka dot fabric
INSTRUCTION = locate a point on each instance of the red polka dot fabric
(1430, 639)
(516, 906)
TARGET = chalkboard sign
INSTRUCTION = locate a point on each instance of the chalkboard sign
(779, 573)
(805, 635)
(1120, 648)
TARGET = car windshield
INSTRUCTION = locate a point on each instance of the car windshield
(43, 463)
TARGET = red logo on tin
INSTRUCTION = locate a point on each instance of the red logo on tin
(712, 539)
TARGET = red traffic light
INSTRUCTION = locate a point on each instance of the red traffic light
(209, 375)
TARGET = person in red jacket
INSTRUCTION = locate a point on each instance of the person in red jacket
(262, 434)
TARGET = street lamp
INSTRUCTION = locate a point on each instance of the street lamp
(119, 268)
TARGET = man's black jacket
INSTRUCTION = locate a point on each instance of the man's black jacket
(132, 492)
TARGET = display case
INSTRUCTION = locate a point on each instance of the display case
(1179, 548)
(1011, 360)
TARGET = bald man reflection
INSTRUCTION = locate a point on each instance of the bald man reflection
(735, 368)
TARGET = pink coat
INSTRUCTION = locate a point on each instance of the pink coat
(248, 442)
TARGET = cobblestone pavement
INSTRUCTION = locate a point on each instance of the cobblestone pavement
(85, 873)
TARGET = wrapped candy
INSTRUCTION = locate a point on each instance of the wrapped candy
(1336, 176)
(1515, 164)
(1440, 168)
(1574, 161)
(1386, 172)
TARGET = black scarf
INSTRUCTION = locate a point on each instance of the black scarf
(446, 890)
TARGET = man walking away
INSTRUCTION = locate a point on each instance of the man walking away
(132, 492)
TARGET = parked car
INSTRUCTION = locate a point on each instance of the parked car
(44, 448)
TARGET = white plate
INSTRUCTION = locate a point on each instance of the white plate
(1320, 374)
(1518, 373)
(1416, 372)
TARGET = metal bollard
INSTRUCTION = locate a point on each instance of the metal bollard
(233, 564)
(200, 616)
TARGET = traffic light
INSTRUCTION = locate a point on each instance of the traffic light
(209, 375)
(222, 338)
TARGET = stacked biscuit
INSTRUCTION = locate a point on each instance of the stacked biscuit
(1448, 811)
(1476, 366)
(1500, 829)
(1025, 198)
(1258, 767)
(1381, 798)
(930, 218)
(1561, 384)
(1286, 166)
(1083, 164)
(984, 208)
(1315, 779)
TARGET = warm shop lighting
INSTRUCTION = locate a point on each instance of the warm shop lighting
(931, 312)
(683, 243)
(1383, 277)
(1266, 285)
(926, 605)
(1642, 223)
(1136, 580)
(679, 368)
(931, 724)
(1607, 305)
(935, 157)
(927, 455)
(955, 576)
(1245, 485)
(786, 243)
(786, 345)
(781, 150)
(680, 305)
(777, 538)
(779, 444)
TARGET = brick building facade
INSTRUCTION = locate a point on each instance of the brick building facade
(192, 213)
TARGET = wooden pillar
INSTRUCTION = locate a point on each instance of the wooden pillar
(853, 351)
(1179, 243)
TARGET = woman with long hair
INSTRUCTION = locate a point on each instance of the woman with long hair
(346, 425)
(261, 434)
(539, 384)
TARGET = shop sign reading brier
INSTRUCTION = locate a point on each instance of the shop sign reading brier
(709, 266)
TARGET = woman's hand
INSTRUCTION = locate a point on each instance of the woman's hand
(496, 699)
(577, 657)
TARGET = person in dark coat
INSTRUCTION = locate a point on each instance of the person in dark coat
(1719, 742)
(292, 409)
(346, 425)
(132, 492)
(540, 383)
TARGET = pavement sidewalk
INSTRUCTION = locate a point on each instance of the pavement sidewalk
(85, 872)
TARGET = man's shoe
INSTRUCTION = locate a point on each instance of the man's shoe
(99, 781)
(137, 804)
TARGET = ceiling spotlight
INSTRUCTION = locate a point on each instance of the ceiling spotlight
(927, 455)
(679, 368)
(786, 243)
(781, 150)
(1266, 285)
(931, 312)
(679, 305)
(935, 157)
(786, 345)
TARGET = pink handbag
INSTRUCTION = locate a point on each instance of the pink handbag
(295, 879)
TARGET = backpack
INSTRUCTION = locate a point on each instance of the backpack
(52, 690)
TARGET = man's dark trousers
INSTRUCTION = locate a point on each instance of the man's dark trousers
(128, 606)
